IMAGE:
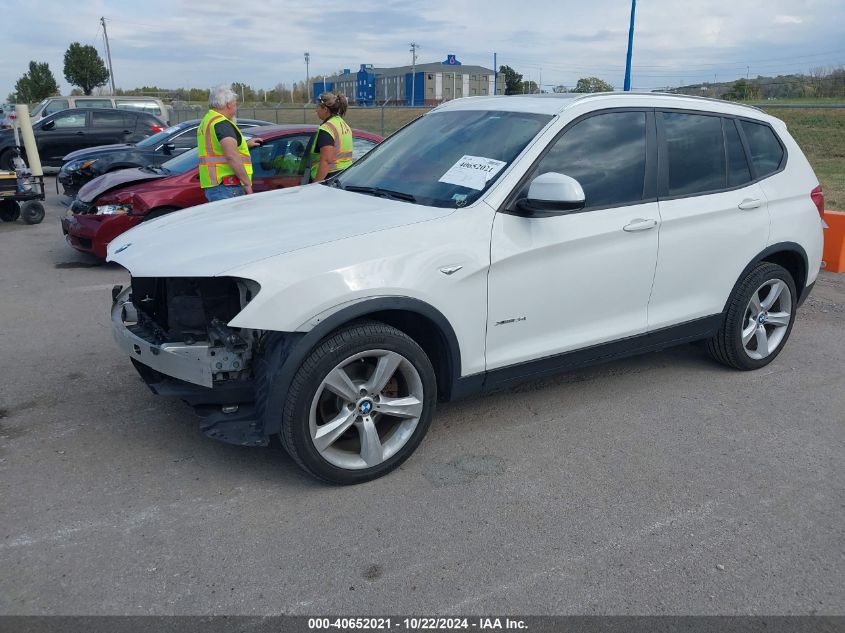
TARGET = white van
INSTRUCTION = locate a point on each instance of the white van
(151, 105)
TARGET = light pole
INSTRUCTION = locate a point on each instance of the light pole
(307, 79)
(630, 48)
(414, 46)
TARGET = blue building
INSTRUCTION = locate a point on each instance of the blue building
(424, 85)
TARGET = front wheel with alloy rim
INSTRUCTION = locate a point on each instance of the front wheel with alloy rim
(759, 319)
(359, 405)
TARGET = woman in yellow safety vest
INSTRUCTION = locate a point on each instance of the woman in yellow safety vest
(331, 147)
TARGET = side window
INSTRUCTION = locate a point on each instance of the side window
(766, 152)
(606, 153)
(94, 103)
(738, 171)
(361, 146)
(111, 120)
(695, 152)
(185, 140)
(279, 157)
(141, 106)
(55, 106)
(71, 119)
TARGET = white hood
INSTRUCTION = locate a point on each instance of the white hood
(212, 238)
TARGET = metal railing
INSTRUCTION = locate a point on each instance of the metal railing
(383, 120)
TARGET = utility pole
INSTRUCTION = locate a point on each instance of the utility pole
(307, 79)
(108, 52)
(540, 85)
(414, 47)
(495, 75)
(630, 48)
(747, 71)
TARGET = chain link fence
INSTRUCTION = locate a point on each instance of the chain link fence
(378, 120)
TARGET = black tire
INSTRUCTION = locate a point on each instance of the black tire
(32, 212)
(727, 346)
(10, 210)
(307, 391)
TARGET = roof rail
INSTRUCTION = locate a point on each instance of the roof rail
(669, 94)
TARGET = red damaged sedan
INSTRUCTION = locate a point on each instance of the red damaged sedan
(115, 202)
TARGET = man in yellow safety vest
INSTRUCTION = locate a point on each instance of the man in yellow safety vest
(225, 166)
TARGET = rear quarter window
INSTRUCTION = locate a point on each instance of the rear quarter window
(766, 151)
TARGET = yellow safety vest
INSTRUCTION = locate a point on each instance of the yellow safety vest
(213, 166)
(342, 136)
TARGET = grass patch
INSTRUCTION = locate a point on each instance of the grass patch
(821, 136)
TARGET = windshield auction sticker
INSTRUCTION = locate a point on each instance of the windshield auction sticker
(472, 172)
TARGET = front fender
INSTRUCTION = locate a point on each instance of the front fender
(283, 352)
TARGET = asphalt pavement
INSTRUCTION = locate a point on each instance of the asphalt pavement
(662, 484)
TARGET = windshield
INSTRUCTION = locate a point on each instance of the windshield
(183, 162)
(160, 137)
(444, 159)
(189, 159)
(38, 108)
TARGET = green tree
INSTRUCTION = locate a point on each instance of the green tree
(529, 87)
(592, 84)
(741, 90)
(513, 80)
(84, 68)
(245, 92)
(36, 84)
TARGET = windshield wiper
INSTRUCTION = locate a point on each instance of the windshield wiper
(381, 193)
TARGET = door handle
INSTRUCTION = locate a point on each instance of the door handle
(80, 133)
(127, 132)
(750, 203)
(640, 224)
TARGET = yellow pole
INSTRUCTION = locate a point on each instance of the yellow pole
(29, 140)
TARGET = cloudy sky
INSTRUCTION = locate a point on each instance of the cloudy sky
(183, 43)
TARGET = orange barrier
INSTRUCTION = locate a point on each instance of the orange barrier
(834, 241)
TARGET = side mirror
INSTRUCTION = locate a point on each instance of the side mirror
(49, 125)
(552, 194)
(169, 147)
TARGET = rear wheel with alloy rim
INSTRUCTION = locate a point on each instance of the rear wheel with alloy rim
(359, 405)
(759, 319)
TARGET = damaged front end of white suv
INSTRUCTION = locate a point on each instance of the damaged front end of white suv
(176, 332)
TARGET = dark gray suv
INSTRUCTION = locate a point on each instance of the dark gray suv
(69, 130)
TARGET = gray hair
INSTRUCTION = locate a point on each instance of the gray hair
(221, 95)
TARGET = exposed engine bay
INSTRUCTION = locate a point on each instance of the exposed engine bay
(179, 313)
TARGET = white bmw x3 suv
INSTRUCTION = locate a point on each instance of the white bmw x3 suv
(491, 241)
